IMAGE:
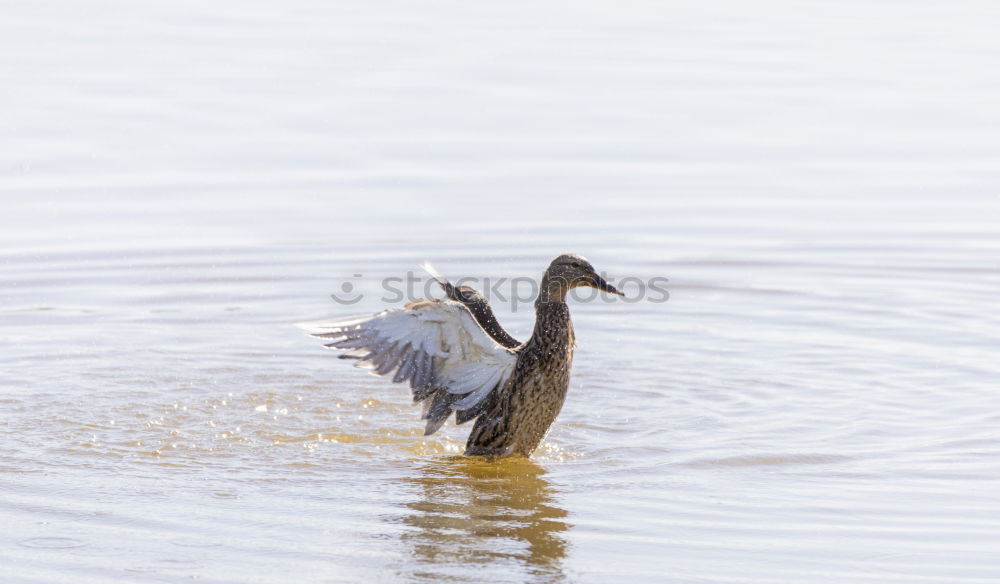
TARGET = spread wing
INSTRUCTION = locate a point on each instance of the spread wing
(437, 346)
(477, 304)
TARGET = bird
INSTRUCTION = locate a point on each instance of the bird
(457, 358)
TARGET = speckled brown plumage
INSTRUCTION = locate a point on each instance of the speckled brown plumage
(517, 416)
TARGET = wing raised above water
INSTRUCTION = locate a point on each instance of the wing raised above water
(477, 303)
(436, 346)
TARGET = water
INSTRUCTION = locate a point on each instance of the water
(817, 402)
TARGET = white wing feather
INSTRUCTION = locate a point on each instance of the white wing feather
(435, 345)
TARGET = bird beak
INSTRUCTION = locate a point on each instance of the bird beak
(602, 284)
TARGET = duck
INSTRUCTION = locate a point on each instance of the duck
(457, 358)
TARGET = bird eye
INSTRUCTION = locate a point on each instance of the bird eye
(575, 264)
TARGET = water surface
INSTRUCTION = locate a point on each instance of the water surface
(817, 402)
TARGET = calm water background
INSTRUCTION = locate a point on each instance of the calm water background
(817, 402)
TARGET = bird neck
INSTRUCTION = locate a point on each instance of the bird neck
(552, 290)
(553, 327)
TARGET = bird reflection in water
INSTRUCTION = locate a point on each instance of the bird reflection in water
(474, 515)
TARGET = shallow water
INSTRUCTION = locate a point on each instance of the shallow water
(816, 402)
